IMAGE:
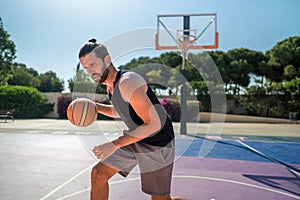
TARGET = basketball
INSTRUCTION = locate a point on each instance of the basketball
(82, 112)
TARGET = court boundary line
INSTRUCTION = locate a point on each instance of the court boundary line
(194, 177)
(66, 182)
(288, 167)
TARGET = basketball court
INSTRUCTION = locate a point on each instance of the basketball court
(50, 159)
(45, 159)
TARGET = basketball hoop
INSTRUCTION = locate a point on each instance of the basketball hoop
(186, 38)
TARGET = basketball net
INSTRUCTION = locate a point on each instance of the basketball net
(185, 41)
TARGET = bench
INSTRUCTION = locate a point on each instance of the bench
(293, 116)
(7, 114)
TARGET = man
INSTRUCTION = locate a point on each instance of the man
(149, 142)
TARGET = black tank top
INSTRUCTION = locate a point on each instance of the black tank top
(132, 120)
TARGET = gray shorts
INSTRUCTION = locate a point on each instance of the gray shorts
(155, 163)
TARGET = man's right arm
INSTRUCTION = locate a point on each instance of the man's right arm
(107, 110)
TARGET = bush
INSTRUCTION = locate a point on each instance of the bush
(173, 109)
(100, 116)
(64, 101)
(62, 105)
(27, 102)
(193, 109)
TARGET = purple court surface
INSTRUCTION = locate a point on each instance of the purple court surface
(229, 172)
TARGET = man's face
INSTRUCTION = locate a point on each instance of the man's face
(95, 67)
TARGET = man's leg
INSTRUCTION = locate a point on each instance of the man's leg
(166, 198)
(100, 175)
(160, 197)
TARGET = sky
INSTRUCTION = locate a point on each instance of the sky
(49, 33)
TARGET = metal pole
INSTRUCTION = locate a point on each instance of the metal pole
(183, 119)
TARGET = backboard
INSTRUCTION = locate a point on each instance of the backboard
(187, 31)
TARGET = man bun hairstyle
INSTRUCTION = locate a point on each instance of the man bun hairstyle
(100, 50)
(93, 40)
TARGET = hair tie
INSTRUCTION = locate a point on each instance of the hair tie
(93, 40)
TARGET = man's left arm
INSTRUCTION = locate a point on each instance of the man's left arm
(144, 108)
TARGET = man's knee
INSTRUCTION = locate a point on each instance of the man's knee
(102, 173)
(99, 173)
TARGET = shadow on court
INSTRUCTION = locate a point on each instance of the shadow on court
(47, 160)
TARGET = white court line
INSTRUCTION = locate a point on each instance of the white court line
(84, 133)
(88, 189)
(67, 182)
(36, 131)
(60, 132)
(117, 133)
(193, 177)
(270, 158)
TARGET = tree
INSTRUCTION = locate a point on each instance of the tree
(284, 54)
(290, 72)
(7, 55)
(292, 93)
(241, 65)
(24, 77)
(154, 69)
(170, 59)
(222, 62)
(288, 94)
(240, 74)
(83, 83)
(136, 62)
(50, 82)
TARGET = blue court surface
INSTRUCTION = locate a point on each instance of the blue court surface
(48, 164)
(287, 152)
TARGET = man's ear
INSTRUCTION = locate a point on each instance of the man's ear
(107, 60)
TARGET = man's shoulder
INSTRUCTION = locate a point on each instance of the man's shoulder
(130, 77)
(129, 83)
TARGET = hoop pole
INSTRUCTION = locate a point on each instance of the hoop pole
(183, 118)
(186, 25)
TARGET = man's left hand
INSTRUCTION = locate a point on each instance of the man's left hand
(103, 151)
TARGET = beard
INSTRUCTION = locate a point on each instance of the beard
(100, 78)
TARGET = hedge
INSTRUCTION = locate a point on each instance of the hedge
(173, 109)
(171, 106)
(26, 101)
(63, 102)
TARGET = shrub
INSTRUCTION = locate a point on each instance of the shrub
(27, 102)
(100, 116)
(193, 109)
(46, 108)
(64, 101)
(173, 109)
